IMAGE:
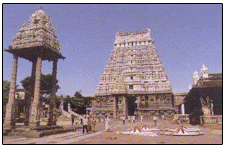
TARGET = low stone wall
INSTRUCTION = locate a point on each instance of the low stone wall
(40, 131)
(181, 118)
(213, 119)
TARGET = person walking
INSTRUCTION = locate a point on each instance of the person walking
(81, 120)
(129, 118)
(85, 123)
(107, 124)
(89, 126)
(72, 118)
(94, 124)
(141, 118)
(133, 119)
(155, 118)
(123, 118)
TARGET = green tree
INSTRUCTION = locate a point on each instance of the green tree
(46, 86)
(5, 89)
(46, 83)
(58, 100)
(78, 102)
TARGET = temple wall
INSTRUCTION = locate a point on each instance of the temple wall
(150, 104)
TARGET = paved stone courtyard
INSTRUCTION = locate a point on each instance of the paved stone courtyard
(211, 136)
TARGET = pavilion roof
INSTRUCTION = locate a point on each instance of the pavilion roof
(38, 37)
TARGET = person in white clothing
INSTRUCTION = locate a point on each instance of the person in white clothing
(107, 124)
(133, 119)
(85, 123)
(155, 118)
(141, 118)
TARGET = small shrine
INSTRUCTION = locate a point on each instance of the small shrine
(203, 102)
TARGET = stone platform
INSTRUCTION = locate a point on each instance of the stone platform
(37, 132)
(212, 119)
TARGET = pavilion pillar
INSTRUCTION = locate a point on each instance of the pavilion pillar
(34, 120)
(51, 119)
(30, 96)
(182, 109)
(10, 107)
(61, 105)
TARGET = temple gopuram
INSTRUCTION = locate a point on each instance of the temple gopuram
(134, 81)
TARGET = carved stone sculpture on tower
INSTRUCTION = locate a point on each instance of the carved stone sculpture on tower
(204, 71)
(195, 78)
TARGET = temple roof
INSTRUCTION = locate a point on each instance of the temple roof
(213, 80)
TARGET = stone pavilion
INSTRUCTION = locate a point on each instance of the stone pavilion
(35, 42)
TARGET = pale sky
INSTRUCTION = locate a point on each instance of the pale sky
(186, 36)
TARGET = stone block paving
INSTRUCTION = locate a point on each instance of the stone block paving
(211, 136)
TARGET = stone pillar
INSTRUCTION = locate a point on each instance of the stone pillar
(34, 121)
(61, 104)
(211, 106)
(115, 108)
(182, 109)
(51, 119)
(138, 104)
(10, 107)
(125, 108)
(69, 107)
(27, 108)
(30, 93)
(137, 101)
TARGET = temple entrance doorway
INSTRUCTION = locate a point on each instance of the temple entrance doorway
(131, 105)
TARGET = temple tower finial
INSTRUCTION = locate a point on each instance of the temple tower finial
(204, 71)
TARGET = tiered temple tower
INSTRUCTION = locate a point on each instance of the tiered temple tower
(35, 42)
(134, 79)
